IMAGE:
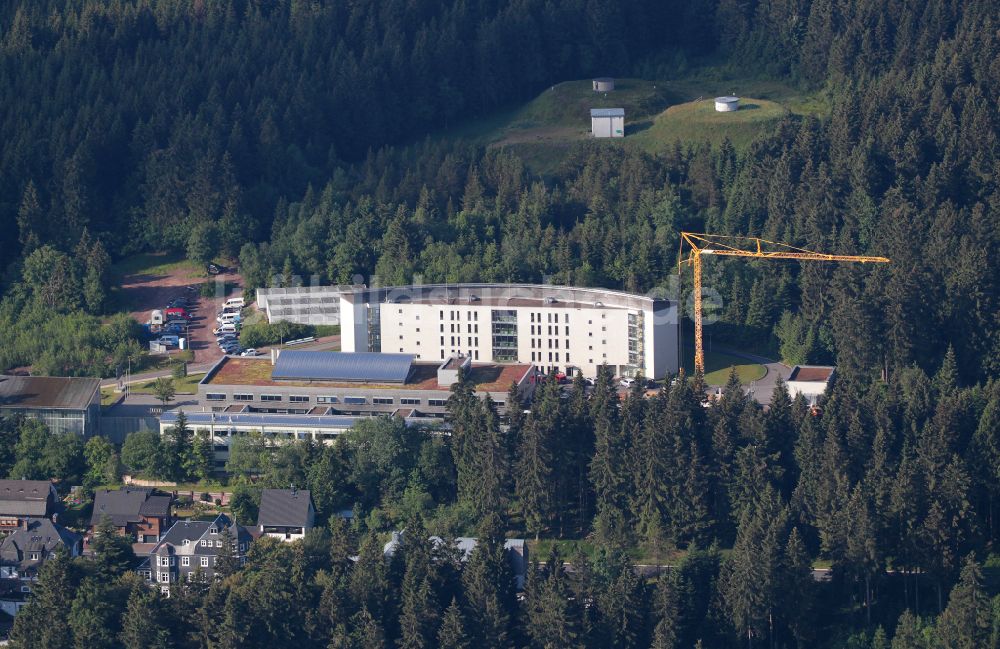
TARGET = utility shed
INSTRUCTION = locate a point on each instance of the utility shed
(604, 84)
(810, 381)
(607, 122)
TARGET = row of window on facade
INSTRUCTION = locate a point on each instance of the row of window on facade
(326, 399)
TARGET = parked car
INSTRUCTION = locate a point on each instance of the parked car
(235, 302)
(249, 352)
(589, 380)
(177, 312)
(626, 382)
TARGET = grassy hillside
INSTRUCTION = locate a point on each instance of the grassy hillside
(657, 113)
(698, 121)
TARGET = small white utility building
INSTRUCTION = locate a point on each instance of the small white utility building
(607, 122)
(810, 381)
(604, 84)
(727, 104)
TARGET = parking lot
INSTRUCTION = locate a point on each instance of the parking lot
(146, 291)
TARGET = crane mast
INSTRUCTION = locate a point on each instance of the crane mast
(732, 246)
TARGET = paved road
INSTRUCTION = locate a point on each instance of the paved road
(762, 388)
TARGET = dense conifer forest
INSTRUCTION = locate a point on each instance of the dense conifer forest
(302, 138)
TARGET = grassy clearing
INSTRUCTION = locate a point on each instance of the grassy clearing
(544, 131)
(698, 121)
(717, 367)
(156, 263)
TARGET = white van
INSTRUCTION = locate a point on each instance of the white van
(228, 318)
(225, 329)
(235, 301)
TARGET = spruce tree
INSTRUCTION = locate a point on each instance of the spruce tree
(143, 621)
(452, 633)
(112, 552)
(607, 468)
(966, 623)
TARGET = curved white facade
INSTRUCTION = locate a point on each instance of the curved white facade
(553, 327)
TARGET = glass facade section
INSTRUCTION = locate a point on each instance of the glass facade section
(504, 323)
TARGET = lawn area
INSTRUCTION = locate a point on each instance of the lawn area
(717, 367)
(155, 263)
(698, 120)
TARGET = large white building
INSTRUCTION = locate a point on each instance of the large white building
(572, 330)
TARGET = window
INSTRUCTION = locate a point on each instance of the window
(355, 401)
(298, 398)
(327, 399)
(204, 562)
(567, 330)
(163, 577)
(185, 561)
(218, 543)
(382, 401)
(603, 328)
(163, 562)
(565, 317)
(270, 397)
(212, 530)
(400, 336)
(34, 556)
(185, 542)
(437, 402)
(404, 401)
(204, 543)
(215, 396)
(242, 397)
(442, 327)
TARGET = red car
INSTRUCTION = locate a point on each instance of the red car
(177, 312)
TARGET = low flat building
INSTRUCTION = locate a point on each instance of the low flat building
(312, 305)
(299, 382)
(138, 512)
(24, 499)
(285, 514)
(191, 549)
(300, 394)
(22, 554)
(64, 404)
(811, 381)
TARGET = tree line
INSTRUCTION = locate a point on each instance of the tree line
(893, 485)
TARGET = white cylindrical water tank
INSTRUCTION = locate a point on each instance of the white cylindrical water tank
(727, 104)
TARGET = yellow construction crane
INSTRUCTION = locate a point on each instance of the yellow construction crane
(729, 246)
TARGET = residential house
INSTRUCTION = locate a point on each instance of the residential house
(285, 514)
(23, 499)
(139, 512)
(24, 551)
(191, 549)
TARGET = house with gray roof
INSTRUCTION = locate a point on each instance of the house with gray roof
(24, 551)
(64, 404)
(285, 514)
(191, 549)
(22, 499)
(139, 512)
